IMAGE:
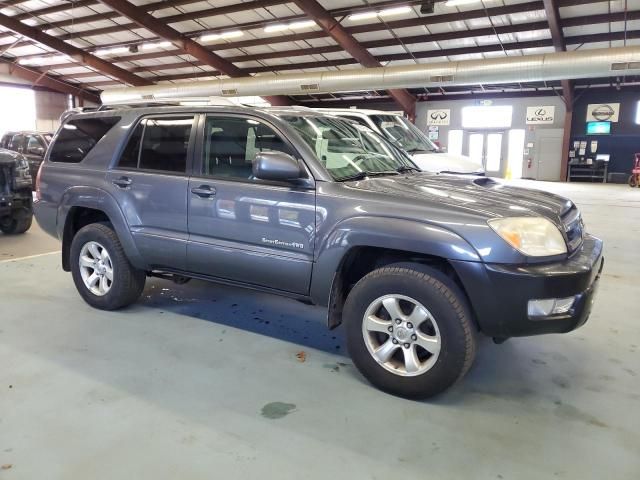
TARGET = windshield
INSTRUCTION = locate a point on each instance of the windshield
(403, 133)
(346, 149)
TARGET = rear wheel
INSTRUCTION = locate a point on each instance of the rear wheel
(13, 226)
(101, 271)
(409, 330)
(633, 180)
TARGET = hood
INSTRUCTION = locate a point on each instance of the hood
(446, 162)
(7, 157)
(479, 196)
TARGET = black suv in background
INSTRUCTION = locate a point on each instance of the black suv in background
(33, 145)
(16, 199)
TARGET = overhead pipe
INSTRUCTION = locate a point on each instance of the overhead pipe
(577, 64)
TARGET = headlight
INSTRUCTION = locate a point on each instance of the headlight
(532, 236)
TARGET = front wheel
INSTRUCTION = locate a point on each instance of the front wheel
(14, 226)
(409, 330)
(102, 273)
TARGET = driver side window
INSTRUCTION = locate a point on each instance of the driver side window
(232, 143)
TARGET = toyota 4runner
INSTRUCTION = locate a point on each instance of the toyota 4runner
(318, 208)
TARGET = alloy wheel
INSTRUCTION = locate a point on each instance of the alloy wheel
(401, 335)
(96, 268)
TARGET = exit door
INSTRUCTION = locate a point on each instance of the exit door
(486, 149)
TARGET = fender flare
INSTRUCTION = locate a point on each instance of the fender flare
(420, 238)
(98, 199)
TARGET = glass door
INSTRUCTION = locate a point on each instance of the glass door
(486, 149)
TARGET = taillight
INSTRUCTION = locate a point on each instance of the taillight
(38, 195)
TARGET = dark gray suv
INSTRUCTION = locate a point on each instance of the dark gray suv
(320, 209)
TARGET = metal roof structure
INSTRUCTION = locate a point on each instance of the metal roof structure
(86, 46)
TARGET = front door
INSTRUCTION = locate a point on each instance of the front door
(240, 228)
(486, 149)
(150, 183)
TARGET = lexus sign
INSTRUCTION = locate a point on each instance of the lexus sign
(440, 117)
(545, 115)
(603, 112)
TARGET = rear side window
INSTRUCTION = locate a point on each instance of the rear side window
(78, 137)
(159, 144)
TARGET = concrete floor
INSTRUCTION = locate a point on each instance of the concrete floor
(201, 381)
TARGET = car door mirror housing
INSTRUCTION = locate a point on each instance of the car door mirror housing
(276, 166)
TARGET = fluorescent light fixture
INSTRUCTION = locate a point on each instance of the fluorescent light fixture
(45, 60)
(302, 24)
(457, 3)
(387, 12)
(276, 28)
(394, 11)
(151, 46)
(105, 52)
(279, 27)
(224, 35)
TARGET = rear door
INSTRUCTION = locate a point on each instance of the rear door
(150, 183)
(241, 228)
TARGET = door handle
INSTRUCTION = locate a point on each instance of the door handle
(204, 191)
(123, 182)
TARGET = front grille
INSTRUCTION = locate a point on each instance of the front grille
(6, 174)
(574, 228)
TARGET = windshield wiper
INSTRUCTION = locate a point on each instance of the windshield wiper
(363, 175)
(407, 168)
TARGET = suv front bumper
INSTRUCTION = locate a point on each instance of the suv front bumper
(500, 294)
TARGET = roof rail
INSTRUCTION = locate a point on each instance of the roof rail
(151, 102)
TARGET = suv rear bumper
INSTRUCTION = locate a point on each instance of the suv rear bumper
(500, 294)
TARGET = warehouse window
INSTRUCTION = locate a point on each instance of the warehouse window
(21, 102)
(454, 144)
(482, 117)
(78, 137)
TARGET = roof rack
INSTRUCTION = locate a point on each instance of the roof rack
(172, 102)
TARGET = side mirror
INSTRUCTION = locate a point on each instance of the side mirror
(39, 151)
(276, 166)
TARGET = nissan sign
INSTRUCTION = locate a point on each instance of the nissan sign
(544, 115)
(439, 117)
(603, 112)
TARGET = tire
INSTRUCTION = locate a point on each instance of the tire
(448, 319)
(633, 181)
(15, 226)
(127, 282)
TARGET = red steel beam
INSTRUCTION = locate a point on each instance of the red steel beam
(185, 44)
(557, 35)
(80, 55)
(348, 42)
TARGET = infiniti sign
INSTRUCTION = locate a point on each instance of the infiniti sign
(441, 117)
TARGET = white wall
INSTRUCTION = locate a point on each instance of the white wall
(49, 107)
(519, 122)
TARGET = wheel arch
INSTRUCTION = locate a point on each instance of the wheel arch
(361, 245)
(81, 206)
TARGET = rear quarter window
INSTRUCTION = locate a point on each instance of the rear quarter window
(78, 137)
